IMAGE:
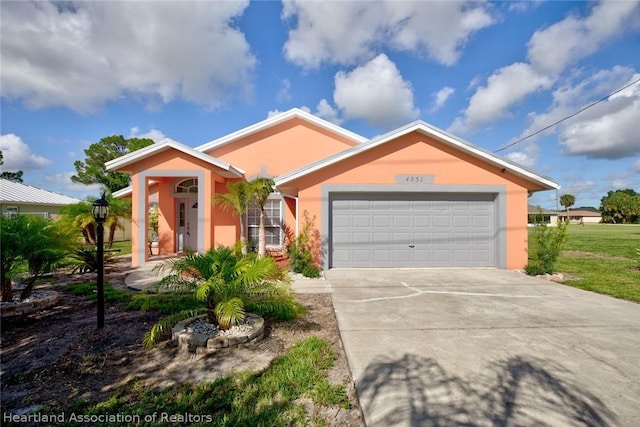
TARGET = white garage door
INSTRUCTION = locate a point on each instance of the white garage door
(412, 230)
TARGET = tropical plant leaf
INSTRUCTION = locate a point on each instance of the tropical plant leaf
(229, 313)
(165, 325)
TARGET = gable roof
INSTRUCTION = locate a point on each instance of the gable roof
(229, 171)
(276, 120)
(16, 192)
(431, 131)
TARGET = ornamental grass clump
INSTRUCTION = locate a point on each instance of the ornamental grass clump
(228, 284)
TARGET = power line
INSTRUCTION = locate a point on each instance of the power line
(568, 117)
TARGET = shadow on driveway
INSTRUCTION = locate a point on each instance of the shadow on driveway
(418, 391)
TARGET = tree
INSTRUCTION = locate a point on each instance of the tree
(621, 206)
(237, 200)
(261, 188)
(11, 176)
(93, 171)
(78, 216)
(567, 200)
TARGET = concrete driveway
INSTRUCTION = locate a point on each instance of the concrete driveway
(467, 347)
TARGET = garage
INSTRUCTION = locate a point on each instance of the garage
(413, 230)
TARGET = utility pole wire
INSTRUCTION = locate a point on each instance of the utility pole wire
(568, 117)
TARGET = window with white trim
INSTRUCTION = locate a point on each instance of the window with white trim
(187, 186)
(12, 211)
(272, 223)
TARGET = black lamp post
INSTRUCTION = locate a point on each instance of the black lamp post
(100, 212)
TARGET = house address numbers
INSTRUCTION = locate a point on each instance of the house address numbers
(414, 179)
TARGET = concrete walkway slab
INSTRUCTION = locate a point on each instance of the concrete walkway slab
(143, 278)
(486, 347)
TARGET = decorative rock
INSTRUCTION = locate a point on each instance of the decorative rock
(196, 332)
(37, 301)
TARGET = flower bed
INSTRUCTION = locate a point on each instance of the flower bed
(197, 333)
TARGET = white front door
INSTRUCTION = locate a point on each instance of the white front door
(187, 216)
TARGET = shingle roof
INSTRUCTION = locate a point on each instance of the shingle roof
(15, 192)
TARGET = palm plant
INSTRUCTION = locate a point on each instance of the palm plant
(78, 216)
(33, 245)
(118, 209)
(261, 189)
(237, 200)
(228, 283)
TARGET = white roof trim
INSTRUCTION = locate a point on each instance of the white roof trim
(127, 191)
(165, 144)
(429, 130)
(277, 119)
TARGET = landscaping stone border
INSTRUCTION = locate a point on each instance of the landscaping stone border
(193, 341)
(31, 305)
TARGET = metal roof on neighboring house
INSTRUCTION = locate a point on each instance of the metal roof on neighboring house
(15, 192)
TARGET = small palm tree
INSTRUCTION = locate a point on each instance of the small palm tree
(119, 209)
(33, 245)
(567, 200)
(78, 216)
(237, 200)
(261, 189)
(228, 283)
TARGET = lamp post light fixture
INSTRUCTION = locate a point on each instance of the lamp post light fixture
(100, 212)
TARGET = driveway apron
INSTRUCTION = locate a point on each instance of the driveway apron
(451, 347)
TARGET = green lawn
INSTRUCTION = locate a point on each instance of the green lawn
(124, 247)
(273, 397)
(604, 258)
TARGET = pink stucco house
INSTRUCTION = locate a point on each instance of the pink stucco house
(414, 197)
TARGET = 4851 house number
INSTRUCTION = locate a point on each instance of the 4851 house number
(414, 179)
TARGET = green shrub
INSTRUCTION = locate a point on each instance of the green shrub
(547, 244)
(302, 249)
(310, 271)
(226, 283)
(534, 268)
(85, 259)
(90, 290)
(33, 245)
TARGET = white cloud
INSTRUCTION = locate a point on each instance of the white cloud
(504, 88)
(550, 52)
(527, 156)
(153, 134)
(17, 155)
(375, 92)
(327, 112)
(554, 48)
(609, 130)
(82, 54)
(348, 32)
(283, 94)
(63, 181)
(636, 166)
(441, 97)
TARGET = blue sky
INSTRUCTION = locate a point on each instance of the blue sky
(488, 72)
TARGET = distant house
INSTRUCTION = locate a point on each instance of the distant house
(538, 215)
(22, 199)
(584, 215)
